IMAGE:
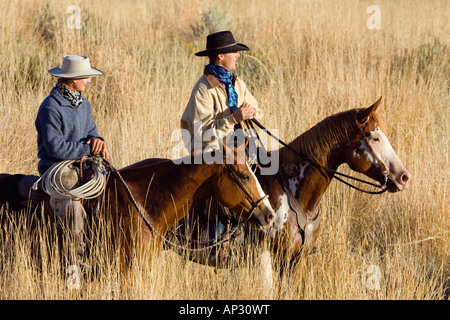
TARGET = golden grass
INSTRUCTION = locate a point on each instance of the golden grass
(308, 59)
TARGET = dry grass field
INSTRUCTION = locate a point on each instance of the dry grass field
(308, 60)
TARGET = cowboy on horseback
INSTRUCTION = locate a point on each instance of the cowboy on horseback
(220, 102)
(220, 105)
(67, 131)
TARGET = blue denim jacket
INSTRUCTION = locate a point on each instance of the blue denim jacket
(62, 130)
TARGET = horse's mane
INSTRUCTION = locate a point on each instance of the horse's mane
(318, 141)
(147, 163)
(152, 162)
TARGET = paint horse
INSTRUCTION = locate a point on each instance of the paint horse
(149, 197)
(307, 165)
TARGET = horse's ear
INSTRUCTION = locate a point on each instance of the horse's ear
(364, 114)
(228, 154)
(236, 154)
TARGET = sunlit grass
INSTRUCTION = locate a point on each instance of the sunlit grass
(308, 60)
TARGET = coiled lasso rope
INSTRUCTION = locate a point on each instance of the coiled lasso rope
(53, 186)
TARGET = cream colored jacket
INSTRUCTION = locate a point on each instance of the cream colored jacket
(208, 117)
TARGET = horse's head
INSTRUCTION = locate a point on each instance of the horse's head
(371, 153)
(238, 189)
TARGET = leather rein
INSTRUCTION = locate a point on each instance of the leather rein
(335, 173)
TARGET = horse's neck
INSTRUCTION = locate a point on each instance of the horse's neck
(203, 187)
(193, 186)
(308, 183)
(173, 191)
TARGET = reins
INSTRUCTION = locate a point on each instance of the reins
(331, 171)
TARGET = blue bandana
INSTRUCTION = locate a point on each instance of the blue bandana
(225, 77)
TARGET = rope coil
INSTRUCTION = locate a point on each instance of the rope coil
(52, 181)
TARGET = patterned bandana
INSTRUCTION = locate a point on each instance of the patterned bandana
(74, 97)
(225, 77)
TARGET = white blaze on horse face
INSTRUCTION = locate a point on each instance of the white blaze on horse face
(260, 190)
(378, 147)
(382, 148)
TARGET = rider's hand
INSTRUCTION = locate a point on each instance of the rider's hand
(98, 147)
(245, 112)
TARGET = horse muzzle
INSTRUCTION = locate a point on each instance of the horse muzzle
(398, 182)
(262, 215)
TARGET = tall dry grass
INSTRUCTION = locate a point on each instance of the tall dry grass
(308, 59)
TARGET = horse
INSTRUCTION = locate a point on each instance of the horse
(183, 187)
(307, 166)
(147, 198)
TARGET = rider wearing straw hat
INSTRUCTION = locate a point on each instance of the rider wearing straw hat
(67, 131)
(64, 122)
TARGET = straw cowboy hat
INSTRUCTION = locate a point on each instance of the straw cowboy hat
(75, 66)
(221, 42)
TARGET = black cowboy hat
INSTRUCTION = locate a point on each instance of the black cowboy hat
(221, 42)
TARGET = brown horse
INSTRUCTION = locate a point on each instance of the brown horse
(149, 197)
(307, 166)
(165, 192)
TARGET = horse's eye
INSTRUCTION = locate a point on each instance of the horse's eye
(376, 139)
(245, 178)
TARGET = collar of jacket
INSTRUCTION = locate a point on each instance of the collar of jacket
(213, 82)
(61, 100)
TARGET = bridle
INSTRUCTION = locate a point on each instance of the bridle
(254, 204)
(381, 164)
(325, 171)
